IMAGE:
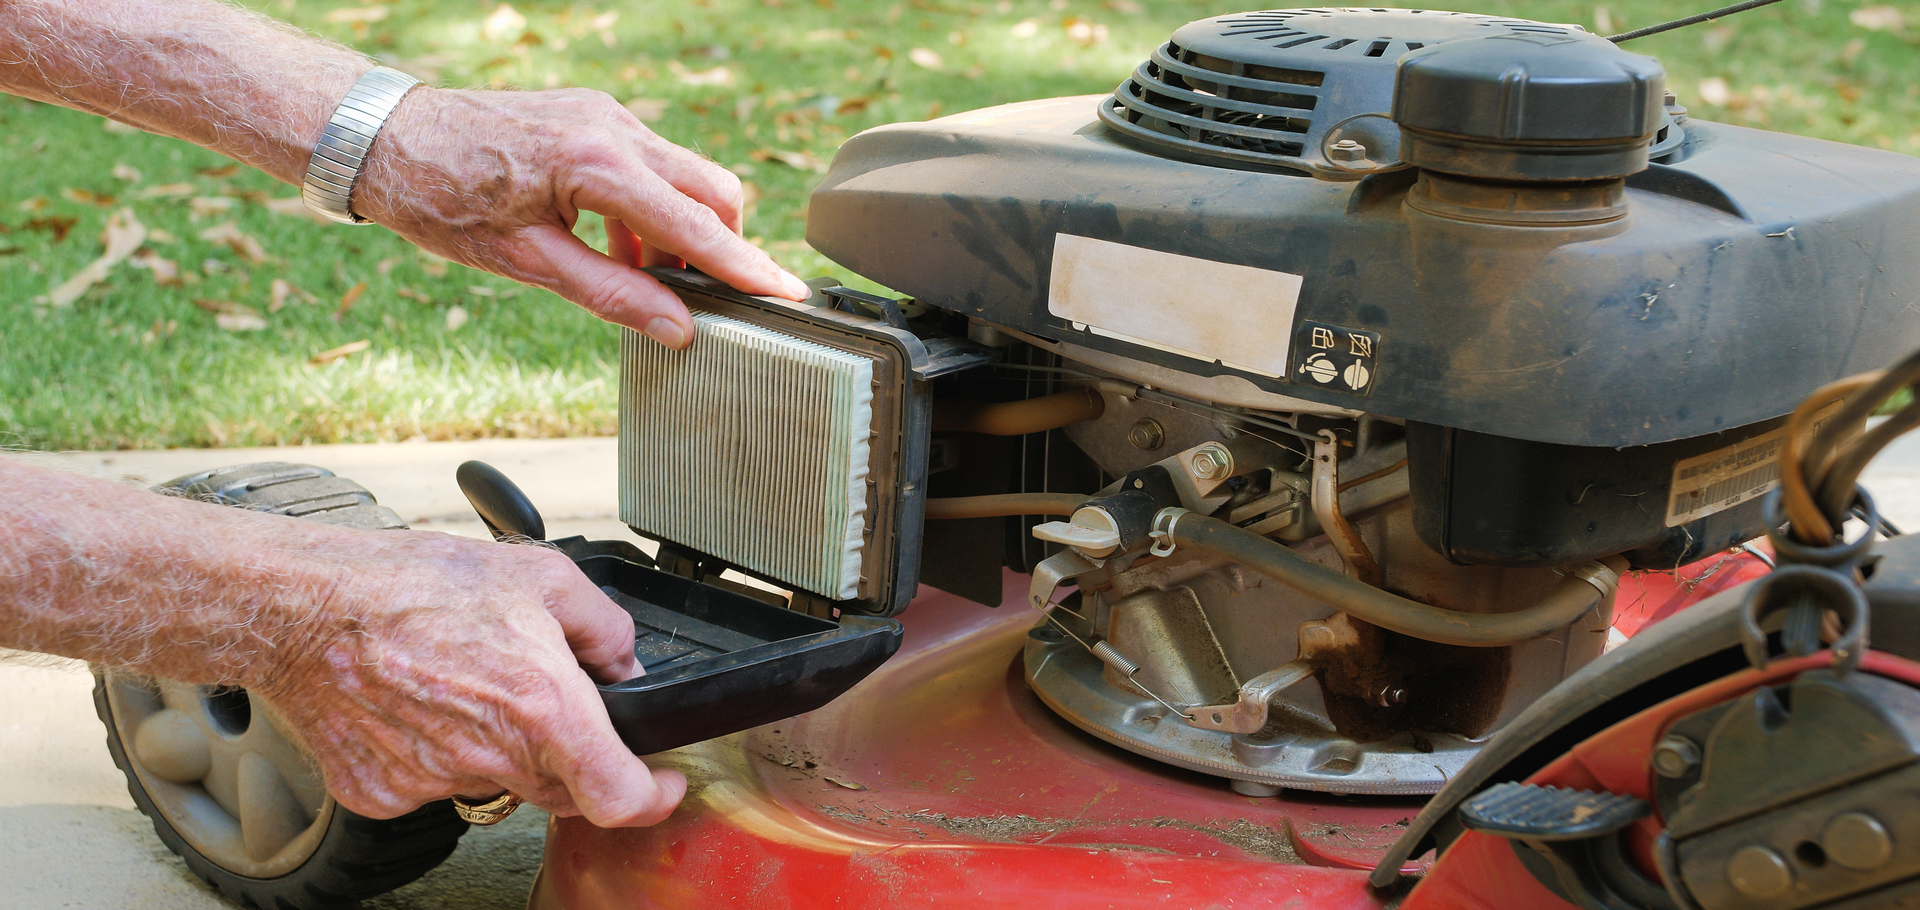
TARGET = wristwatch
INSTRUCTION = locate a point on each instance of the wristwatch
(342, 151)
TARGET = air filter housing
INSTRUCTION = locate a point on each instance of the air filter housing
(788, 441)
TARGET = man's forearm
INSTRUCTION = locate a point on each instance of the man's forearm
(185, 590)
(204, 71)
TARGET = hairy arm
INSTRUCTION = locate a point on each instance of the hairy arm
(424, 665)
(495, 180)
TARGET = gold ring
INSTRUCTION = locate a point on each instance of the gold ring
(490, 812)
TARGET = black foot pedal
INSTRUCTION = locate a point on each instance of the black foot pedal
(1527, 812)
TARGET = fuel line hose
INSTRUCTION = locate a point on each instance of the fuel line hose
(1584, 587)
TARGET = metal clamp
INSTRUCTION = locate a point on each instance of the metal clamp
(1162, 531)
(1805, 593)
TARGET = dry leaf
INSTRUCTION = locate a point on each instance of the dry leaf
(221, 171)
(386, 265)
(1714, 91)
(605, 20)
(278, 293)
(58, 226)
(845, 783)
(166, 190)
(232, 316)
(831, 34)
(1083, 31)
(123, 236)
(123, 172)
(646, 109)
(116, 127)
(853, 105)
(925, 58)
(456, 317)
(240, 322)
(32, 205)
(1025, 28)
(1878, 18)
(504, 24)
(719, 75)
(85, 197)
(357, 15)
(348, 349)
(413, 295)
(347, 300)
(800, 161)
(165, 271)
(434, 266)
(158, 235)
(209, 206)
(480, 291)
(242, 245)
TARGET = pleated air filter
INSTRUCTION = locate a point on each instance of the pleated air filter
(753, 446)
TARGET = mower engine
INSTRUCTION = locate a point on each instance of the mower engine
(1335, 366)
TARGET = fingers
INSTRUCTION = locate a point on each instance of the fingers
(598, 631)
(618, 293)
(665, 218)
(608, 784)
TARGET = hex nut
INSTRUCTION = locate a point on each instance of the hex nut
(1758, 871)
(1857, 841)
(1675, 756)
(1146, 433)
(1211, 462)
(1347, 150)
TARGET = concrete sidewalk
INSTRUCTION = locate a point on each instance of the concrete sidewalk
(68, 831)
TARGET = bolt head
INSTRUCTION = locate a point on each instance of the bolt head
(1675, 756)
(1146, 433)
(1857, 841)
(1210, 463)
(1757, 871)
(1347, 150)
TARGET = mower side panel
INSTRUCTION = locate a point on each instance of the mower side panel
(941, 781)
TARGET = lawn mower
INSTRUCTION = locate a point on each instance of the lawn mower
(1328, 471)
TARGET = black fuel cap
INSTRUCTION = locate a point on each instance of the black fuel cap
(1528, 107)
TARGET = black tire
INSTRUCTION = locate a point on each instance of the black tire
(338, 857)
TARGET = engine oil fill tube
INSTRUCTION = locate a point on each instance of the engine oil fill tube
(1584, 587)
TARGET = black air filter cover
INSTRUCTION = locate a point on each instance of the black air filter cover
(1529, 107)
(1277, 88)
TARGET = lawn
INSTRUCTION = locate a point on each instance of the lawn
(238, 321)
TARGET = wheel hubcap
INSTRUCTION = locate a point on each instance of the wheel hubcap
(221, 771)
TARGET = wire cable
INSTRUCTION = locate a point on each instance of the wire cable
(1695, 19)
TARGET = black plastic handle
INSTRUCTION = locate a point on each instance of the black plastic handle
(506, 510)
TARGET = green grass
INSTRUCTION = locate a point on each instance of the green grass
(134, 363)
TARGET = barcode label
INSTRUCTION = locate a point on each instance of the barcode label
(1724, 478)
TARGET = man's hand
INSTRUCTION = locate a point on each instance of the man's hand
(497, 180)
(414, 666)
(443, 666)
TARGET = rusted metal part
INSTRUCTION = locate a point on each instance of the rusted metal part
(1326, 508)
(1000, 504)
(1248, 714)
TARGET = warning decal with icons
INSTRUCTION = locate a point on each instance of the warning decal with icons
(1335, 356)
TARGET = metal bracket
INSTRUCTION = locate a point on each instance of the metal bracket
(1249, 713)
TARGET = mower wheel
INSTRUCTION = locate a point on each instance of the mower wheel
(226, 787)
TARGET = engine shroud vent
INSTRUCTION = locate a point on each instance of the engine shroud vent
(1275, 89)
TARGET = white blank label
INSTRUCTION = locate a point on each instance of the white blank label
(1236, 315)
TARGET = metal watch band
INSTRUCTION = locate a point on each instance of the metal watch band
(342, 149)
